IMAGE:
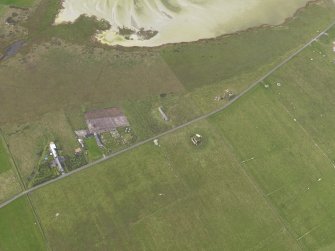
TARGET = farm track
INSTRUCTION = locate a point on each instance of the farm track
(205, 116)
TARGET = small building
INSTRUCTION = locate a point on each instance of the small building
(81, 142)
(196, 139)
(53, 151)
(228, 94)
(98, 140)
(105, 120)
(164, 116)
(82, 133)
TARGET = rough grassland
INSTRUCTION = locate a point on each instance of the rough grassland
(262, 179)
(257, 181)
(211, 61)
(175, 197)
(81, 78)
(18, 228)
(18, 3)
(89, 77)
(9, 184)
(4, 156)
(28, 141)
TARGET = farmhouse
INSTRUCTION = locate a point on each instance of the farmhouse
(105, 120)
(53, 151)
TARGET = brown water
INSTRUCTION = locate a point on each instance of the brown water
(157, 22)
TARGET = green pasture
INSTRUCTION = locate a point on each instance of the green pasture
(18, 227)
(176, 196)
(93, 150)
(18, 3)
(262, 179)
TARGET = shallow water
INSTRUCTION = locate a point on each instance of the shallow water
(157, 22)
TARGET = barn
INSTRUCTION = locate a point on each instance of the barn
(105, 120)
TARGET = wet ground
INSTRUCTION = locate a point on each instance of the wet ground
(12, 50)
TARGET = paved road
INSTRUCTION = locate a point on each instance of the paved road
(172, 130)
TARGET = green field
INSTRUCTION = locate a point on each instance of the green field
(174, 196)
(19, 230)
(93, 150)
(262, 179)
(83, 76)
(18, 3)
(9, 184)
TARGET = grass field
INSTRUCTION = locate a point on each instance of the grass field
(18, 228)
(19, 3)
(81, 77)
(9, 184)
(28, 141)
(262, 179)
(93, 151)
(258, 181)
(174, 196)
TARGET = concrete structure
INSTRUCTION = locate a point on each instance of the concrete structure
(98, 140)
(105, 120)
(53, 150)
(164, 116)
(196, 139)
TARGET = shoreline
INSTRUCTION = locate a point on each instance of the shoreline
(98, 40)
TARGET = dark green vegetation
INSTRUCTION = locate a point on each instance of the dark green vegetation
(18, 3)
(19, 230)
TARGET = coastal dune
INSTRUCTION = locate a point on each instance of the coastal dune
(150, 23)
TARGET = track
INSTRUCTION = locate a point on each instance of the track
(254, 84)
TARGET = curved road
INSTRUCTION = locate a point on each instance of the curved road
(3, 204)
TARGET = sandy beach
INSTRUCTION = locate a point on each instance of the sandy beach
(150, 23)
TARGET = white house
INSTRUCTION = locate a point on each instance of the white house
(53, 149)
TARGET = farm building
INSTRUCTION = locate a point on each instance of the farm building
(105, 120)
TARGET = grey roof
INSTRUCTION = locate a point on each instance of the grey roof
(105, 120)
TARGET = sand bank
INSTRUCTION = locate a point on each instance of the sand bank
(156, 22)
